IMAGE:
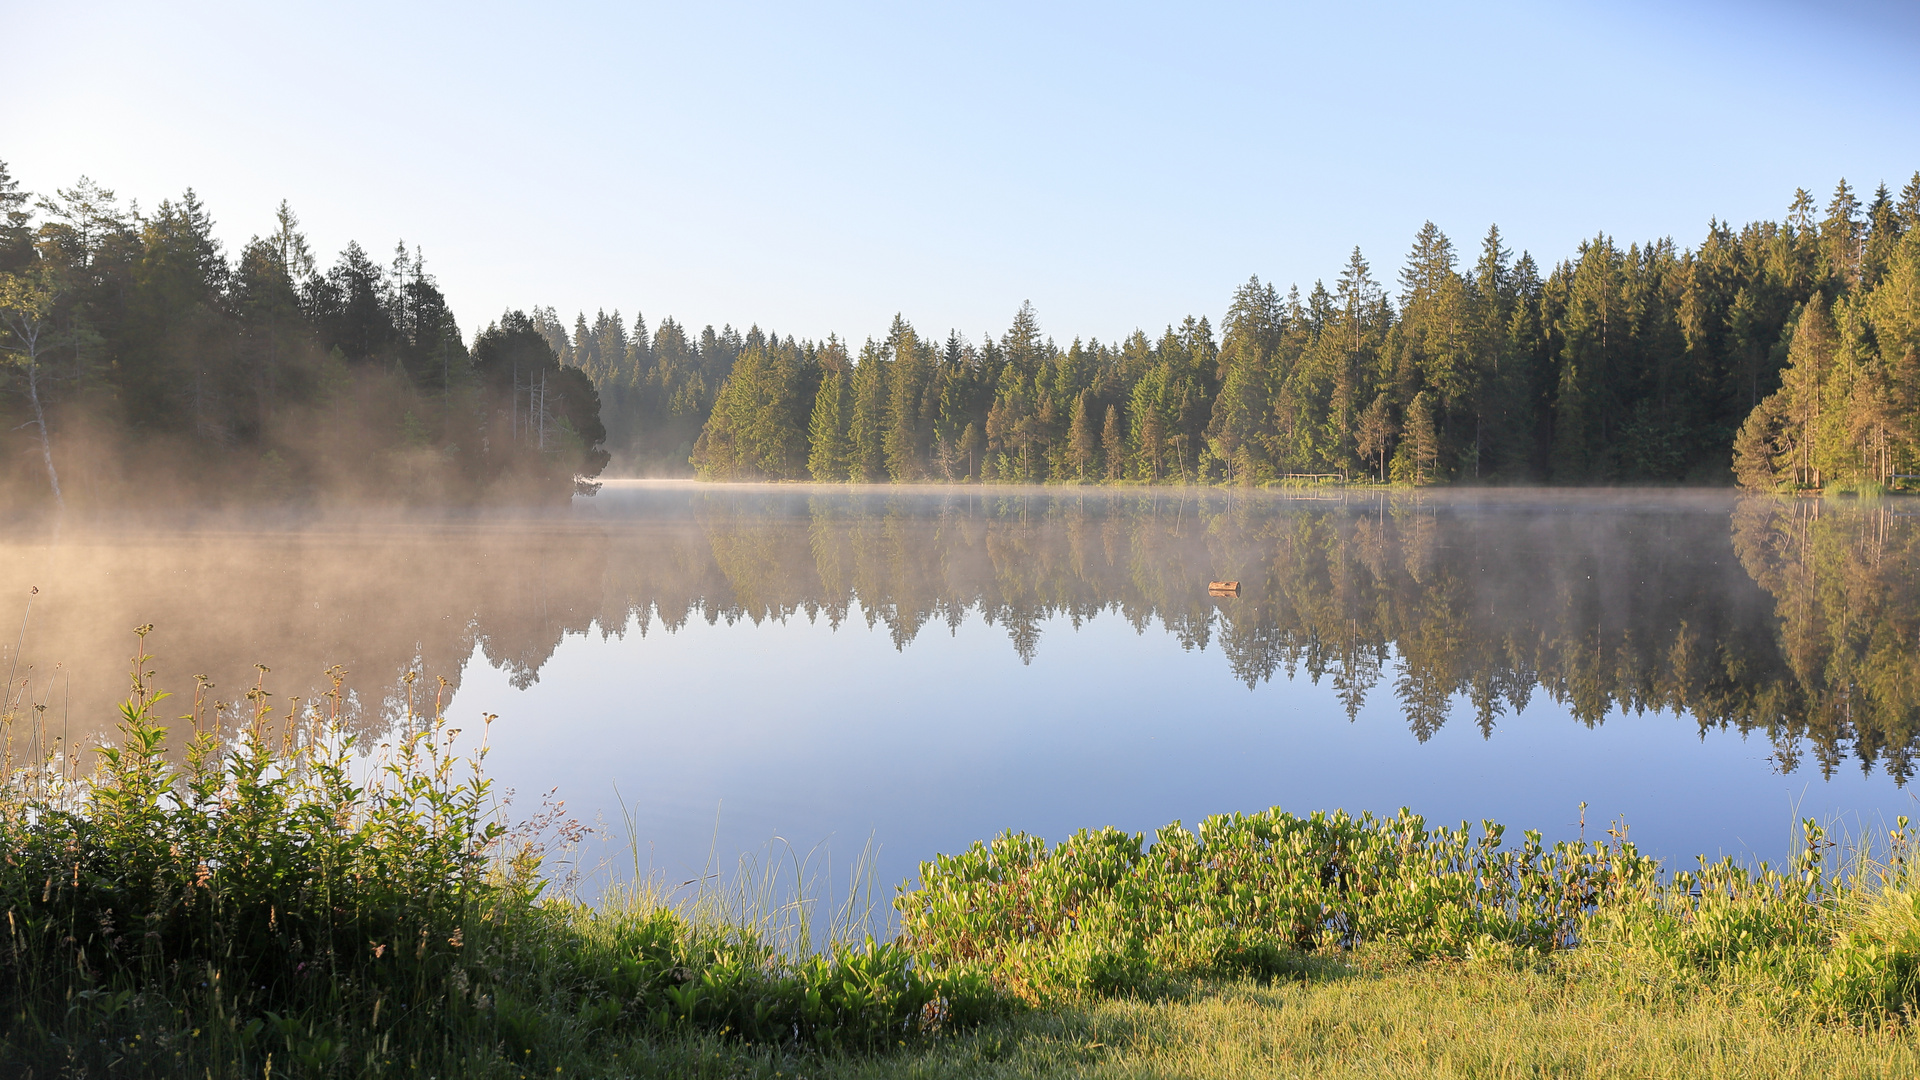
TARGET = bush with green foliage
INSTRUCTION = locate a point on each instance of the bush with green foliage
(1104, 912)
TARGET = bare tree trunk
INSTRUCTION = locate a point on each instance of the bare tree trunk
(26, 320)
(40, 422)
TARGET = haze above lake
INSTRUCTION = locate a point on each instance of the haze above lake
(727, 665)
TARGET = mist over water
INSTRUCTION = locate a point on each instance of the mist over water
(732, 664)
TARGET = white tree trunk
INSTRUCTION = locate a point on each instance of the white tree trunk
(40, 422)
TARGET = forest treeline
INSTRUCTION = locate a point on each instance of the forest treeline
(1796, 340)
(1784, 354)
(137, 356)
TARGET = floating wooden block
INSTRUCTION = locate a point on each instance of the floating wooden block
(1223, 588)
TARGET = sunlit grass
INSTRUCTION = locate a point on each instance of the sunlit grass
(1383, 1017)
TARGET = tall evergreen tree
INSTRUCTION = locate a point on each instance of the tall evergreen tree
(829, 453)
(867, 421)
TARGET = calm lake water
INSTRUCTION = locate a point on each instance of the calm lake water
(911, 669)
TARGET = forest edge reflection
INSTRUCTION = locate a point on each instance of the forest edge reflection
(1792, 619)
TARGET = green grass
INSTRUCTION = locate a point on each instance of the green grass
(266, 901)
(1381, 1017)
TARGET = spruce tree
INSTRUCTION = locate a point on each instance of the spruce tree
(867, 417)
(1083, 441)
(1375, 433)
(1423, 439)
(827, 454)
(908, 379)
(1113, 445)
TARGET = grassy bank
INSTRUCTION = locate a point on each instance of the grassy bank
(244, 893)
(1380, 1017)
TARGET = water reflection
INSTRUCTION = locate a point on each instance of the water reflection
(1847, 629)
(1794, 620)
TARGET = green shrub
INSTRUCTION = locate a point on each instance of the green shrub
(249, 898)
(1105, 911)
(1873, 967)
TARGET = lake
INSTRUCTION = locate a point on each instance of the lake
(815, 671)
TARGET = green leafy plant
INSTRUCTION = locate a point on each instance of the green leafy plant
(269, 899)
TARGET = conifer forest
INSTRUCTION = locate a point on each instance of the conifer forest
(140, 358)
(1784, 355)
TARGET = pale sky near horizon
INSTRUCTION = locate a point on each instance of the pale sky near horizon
(817, 168)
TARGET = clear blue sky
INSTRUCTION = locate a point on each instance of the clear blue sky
(817, 168)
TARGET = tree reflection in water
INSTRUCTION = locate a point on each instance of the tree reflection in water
(1794, 619)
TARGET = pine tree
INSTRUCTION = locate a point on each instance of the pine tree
(828, 451)
(1423, 440)
(289, 245)
(1907, 210)
(16, 232)
(1113, 444)
(1239, 431)
(1595, 331)
(1375, 433)
(1084, 443)
(1840, 238)
(1757, 445)
(1499, 394)
(909, 377)
(1779, 445)
(1011, 429)
(1024, 346)
(867, 421)
(754, 431)
(1150, 436)
(1362, 315)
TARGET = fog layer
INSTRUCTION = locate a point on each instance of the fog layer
(1792, 620)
